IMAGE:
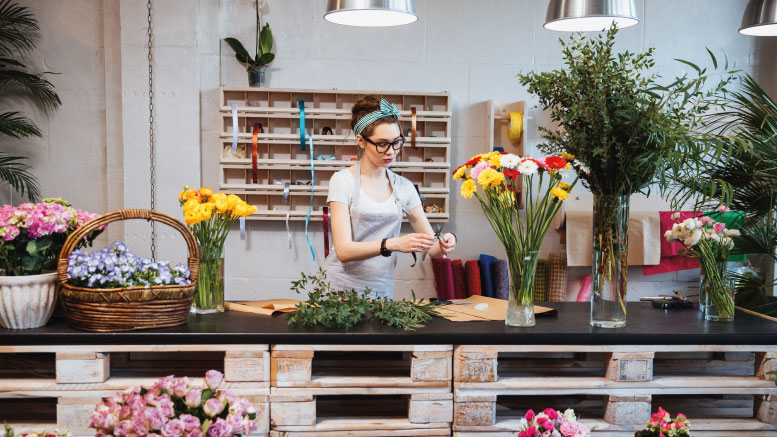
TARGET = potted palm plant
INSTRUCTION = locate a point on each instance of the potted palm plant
(17, 39)
(256, 65)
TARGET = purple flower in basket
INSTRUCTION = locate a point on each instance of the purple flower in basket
(190, 423)
(220, 429)
(173, 428)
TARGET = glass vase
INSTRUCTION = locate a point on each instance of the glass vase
(209, 297)
(718, 292)
(256, 76)
(609, 262)
(520, 305)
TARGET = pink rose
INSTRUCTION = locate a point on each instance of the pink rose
(122, 428)
(724, 208)
(194, 398)
(155, 418)
(173, 428)
(136, 403)
(194, 433)
(571, 429)
(190, 423)
(213, 379)
(220, 429)
(165, 407)
(720, 227)
(139, 426)
(213, 407)
(180, 386)
(529, 415)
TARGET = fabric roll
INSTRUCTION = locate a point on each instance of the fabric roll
(443, 278)
(487, 275)
(557, 277)
(459, 280)
(472, 270)
(541, 281)
(502, 277)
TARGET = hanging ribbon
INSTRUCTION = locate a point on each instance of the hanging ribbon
(288, 231)
(254, 170)
(242, 228)
(326, 231)
(301, 105)
(412, 126)
(234, 126)
(312, 190)
(286, 188)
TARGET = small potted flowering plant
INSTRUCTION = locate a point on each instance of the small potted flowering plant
(9, 432)
(661, 424)
(552, 423)
(499, 175)
(175, 407)
(709, 242)
(31, 237)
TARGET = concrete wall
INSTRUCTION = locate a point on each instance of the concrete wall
(95, 149)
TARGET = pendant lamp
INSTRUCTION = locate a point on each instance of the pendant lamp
(371, 13)
(760, 18)
(590, 15)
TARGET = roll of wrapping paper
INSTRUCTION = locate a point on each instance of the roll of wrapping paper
(472, 271)
(516, 127)
(254, 170)
(459, 280)
(443, 278)
(412, 126)
(325, 212)
(502, 276)
(487, 275)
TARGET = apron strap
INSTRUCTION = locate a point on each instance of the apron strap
(357, 181)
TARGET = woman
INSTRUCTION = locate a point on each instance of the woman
(367, 203)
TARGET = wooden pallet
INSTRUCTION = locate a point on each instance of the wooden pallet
(79, 377)
(626, 382)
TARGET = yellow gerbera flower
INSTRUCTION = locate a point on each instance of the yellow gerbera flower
(564, 186)
(494, 160)
(559, 194)
(468, 188)
(490, 178)
(567, 156)
(461, 171)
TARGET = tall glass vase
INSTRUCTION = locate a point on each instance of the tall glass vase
(520, 306)
(718, 292)
(209, 297)
(610, 260)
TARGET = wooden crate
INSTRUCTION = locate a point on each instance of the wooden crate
(79, 380)
(627, 382)
(281, 160)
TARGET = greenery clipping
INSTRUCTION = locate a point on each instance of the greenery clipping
(629, 131)
(332, 308)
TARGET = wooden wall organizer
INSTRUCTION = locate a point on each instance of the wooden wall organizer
(280, 160)
(498, 122)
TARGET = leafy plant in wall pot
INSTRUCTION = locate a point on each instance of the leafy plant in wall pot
(18, 36)
(256, 65)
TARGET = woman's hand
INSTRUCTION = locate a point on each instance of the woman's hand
(410, 243)
(447, 243)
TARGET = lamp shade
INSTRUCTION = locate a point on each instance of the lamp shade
(590, 15)
(760, 18)
(371, 13)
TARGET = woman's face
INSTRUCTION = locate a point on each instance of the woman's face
(381, 135)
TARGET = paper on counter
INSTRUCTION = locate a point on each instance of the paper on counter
(263, 307)
(496, 310)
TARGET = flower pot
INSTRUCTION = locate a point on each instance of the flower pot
(609, 263)
(209, 297)
(27, 301)
(520, 305)
(256, 76)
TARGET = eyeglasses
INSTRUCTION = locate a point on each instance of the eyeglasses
(383, 147)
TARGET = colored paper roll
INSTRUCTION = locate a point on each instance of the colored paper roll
(459, 280)
(502, 279)
(444, 278)
(487, 275)
(472, 270)
(516, 127)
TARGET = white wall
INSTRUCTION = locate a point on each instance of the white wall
(95, 148)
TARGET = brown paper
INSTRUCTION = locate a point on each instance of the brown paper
(263, 307)
(495, 309)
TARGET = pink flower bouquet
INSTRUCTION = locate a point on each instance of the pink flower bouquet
(175, 407)
(662, 425)
(552, 423)
(32, 234)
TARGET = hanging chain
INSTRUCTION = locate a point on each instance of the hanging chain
(151, 128)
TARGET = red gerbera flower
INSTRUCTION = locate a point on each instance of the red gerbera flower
(473, 161)
(555, 162)
(512, 174)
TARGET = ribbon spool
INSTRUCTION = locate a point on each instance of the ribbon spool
(412, 126)
(234, 127)
(516, 127)
(254, 171)
(301, 105)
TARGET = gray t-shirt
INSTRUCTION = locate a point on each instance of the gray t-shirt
(341, 190)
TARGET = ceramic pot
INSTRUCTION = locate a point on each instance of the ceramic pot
(27, 301)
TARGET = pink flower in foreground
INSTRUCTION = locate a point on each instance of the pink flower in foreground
(571, 429)
(724, 208)
(190, 423)
(213, 379)
(213, 407)
(720, 227)
(477, 169)
(173, 428)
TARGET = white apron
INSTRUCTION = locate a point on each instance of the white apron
(376, 273)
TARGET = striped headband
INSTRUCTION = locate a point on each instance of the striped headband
(386, 110)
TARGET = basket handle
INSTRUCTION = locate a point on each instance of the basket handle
(128, 214)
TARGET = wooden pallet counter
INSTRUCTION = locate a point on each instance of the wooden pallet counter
(465, 379)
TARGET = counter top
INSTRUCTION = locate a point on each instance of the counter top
(646, 325)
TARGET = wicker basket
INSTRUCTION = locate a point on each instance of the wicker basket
(132, 308)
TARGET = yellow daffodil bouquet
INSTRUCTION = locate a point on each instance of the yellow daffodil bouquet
(493, 178)
(209, 216)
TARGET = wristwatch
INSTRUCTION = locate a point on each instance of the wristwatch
(383, 250)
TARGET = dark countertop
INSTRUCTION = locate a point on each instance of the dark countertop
(646, 325)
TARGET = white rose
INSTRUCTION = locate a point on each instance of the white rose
(693, 238)
(732, 233)
(509, 161)
(690, 224)
(727, 242)
(668, 235)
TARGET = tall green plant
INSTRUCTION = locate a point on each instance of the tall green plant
(18, 35)
(264, 41)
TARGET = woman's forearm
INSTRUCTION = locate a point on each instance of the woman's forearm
(357, 250)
